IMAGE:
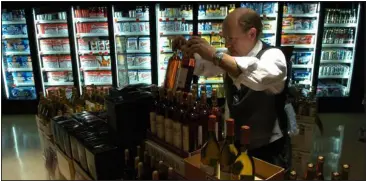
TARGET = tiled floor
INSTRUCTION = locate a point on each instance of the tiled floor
(21, 150)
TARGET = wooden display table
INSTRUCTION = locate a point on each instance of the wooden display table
(263, 170)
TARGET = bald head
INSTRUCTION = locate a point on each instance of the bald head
(244, 19)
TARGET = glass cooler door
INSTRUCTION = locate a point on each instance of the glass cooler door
(338, 50)
(91, 30)
(54, 49)
(16, 61)
(132, 36)
(300, 29)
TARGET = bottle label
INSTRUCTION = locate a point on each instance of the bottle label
(179, 135)
(217, 130)
(199, 136)
(181, 81)
(160, 126)
(185, 138)
(153, 122)
(89, 105)
(168, 130)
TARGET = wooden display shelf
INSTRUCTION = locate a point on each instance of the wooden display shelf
(263, 170)
(65, 165)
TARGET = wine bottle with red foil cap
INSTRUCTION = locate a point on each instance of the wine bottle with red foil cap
(345, 171)
(215, 110)
(210, 152)
(229, 153)
(293, 175)
(244, 167)
(310, 173)
(320, 168)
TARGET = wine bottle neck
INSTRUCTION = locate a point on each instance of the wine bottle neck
(230, 139)
(244, 148)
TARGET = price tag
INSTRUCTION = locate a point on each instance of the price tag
(41, 53)
(183, 19)
(90, 53)
(282, 32)
(212, 33)
(290, 16)
(137, 20)
(198, 33)
(106, 53)
(167, 19)
(115, 19)
(161, 51)
(161, 33)
(100, 53)
(175, 19)
(160, 20)
(13, 85)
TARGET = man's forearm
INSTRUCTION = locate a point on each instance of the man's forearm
(228, 63)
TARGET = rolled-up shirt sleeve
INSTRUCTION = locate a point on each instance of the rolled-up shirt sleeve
(267, 73)
(206, 68)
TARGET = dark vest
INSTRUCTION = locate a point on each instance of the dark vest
(256, 109)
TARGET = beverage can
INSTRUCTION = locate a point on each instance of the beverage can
(147, 26)
(177, 25)
(106, 43)
(94, 44)
(141, 26)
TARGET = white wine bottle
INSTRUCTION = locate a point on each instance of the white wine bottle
(210, 152)
(244, 164)
(228, 153)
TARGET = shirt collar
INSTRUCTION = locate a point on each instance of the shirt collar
(258, 47)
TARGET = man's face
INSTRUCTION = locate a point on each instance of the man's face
(237, 42)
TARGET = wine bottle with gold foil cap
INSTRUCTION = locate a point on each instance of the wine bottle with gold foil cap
(228, 153)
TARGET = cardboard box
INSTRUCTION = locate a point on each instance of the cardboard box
(65, 165)
(80, 173)
(305, 139)
(263, 170)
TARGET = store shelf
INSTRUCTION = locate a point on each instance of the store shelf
(300, 45)
(175, 19)
(52, 36)
(14, 36)
(268, 15)
(298, 31)
(58, 83)
(133, 34)
(137, 51)
(334, 77)
(337, 45)
(336, 61)
(305, 15)
(81, 35)
(51, 21)
(18, 69)
(98, 83)
(15, 22)
(10, 53)
(211, 81)
(343, 25)
(269, 31)
(166, 50)
(121, 19)
(211, 17)
(176, 33)
(84, 20)
(56, 69)
(94, 52)
(138, 68)
(54, 52)
(22, 84)
(95, 68)
(302, 66)
(208, 32)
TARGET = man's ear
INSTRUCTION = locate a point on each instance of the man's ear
(252, 33)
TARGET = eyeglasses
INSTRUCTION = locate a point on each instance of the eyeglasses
(230, 40)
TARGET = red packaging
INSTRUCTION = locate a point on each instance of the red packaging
(46, 45)
(49, 29)
(65, 61)
(91, 76)
(105, 76)
(305, 39)
(100, 13)
(50, 62)
(92, 12)
(62, 29)
(83, 44)
(98, 27)
(65, 45)
(78, 28)
(105, 12)
(88, 61)
(57, 76)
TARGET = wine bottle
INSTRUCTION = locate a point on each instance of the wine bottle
(243, 167)
(193, 117)
(210, 152)
(160, 115)
(155, 175)
(147, 166)
(203, 119)
(162, 173)
(185, 74)
(345, 171)
(172, 70)
(310, 172)
(140, 171)
(176, 118)
(293, 175)
(217, 112)
(128, 172)
(335, 176)
(41, 105)
(137, 161)
(171, 174)
(179, 117)
(153, 163)
(320, 168)
(169, 114)
(153, 109)
(228, 153)
(139, 153)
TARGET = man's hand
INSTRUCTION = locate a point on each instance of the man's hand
(178, 42)
(201, 46)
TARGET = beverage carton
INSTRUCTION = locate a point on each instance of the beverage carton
(50, 62)
(65, 61)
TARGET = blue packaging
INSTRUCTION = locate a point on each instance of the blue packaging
(21, 45)
(301, 74)
(22, 92)
(293, 58)
(304, 58)
(208, 90)
(259, 8)
(12, 29)
(267, 8)
(25, 61)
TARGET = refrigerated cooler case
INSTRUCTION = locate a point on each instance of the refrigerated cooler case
(133, 44)
(172, 20)
(17, 71)
(338, 49)
(92, 46)
(53, 49)
(300, 29)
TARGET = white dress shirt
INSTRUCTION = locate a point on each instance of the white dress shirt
(265, 74)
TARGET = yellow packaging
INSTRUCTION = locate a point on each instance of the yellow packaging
(216, 41)
(207, 38)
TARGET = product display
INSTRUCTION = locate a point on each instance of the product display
(183, 11)
(300, 8)
(93, 12)
(260, 8)
(214, 10)
(338, 16)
